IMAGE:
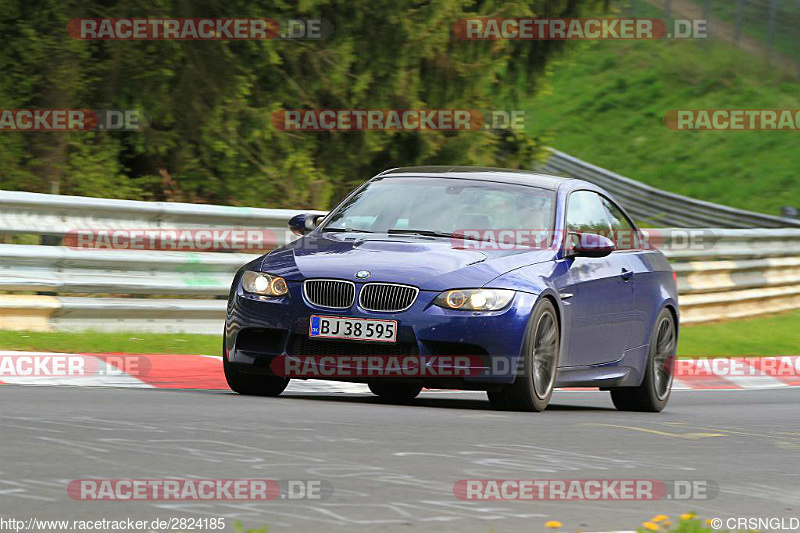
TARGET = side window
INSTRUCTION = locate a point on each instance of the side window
(587, 214)
(622, 232)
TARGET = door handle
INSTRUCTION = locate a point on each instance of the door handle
(626, 274)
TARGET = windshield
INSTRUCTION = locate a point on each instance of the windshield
(446, 206)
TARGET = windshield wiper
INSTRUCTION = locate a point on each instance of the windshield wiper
(423, 232)
(431, 233)
(346, 230)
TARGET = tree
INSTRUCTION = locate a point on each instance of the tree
(208, 135)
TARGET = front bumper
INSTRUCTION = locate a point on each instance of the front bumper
(259, 328)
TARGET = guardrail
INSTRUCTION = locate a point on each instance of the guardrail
(658, 207)
(64, 270)
(727, 274)
(56, 215)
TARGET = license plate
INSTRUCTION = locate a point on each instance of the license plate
(356, 329)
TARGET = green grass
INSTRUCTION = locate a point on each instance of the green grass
(239, 528)
(96, 342)
(687, 525)
(605, 102)
(770, 335)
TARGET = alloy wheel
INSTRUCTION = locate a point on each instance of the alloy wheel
(545, 346)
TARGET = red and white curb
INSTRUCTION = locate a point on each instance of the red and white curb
(204, 372)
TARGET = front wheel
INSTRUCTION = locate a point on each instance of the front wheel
(251, 384)
(653, 393)
(533, 387)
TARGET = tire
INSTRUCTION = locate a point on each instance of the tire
(395, 392)
(533, 386)
(252, 385)
(652, 395)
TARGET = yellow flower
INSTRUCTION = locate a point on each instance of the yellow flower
(552, 524)
(687, 516)
(708, 521)
(667, 523)
(659, 518)
(651, 526)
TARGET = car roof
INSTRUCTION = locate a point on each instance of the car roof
(503, 175)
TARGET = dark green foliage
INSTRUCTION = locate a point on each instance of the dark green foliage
(208, 136)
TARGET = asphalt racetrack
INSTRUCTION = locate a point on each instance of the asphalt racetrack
(393, 467)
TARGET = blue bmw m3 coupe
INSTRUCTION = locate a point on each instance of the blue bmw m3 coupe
(505, 281)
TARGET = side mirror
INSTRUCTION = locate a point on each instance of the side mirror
(304, 223)
(588, 245)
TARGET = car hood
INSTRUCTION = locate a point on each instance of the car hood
(427, 263)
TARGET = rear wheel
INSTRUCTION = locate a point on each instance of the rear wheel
(395, 392)
(653, 393)
(251, 384)
(533, 386)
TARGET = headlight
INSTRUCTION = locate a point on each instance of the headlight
(264, 284)
(475, 299)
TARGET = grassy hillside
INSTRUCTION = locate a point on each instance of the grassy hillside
(606, 102)
(755, 20)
